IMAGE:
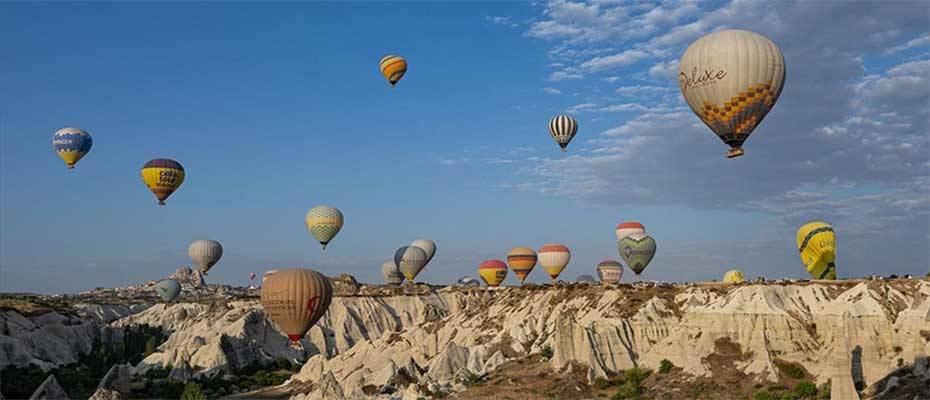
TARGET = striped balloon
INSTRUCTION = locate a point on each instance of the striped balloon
(295, 299)
(626, 228)
(610, 271)
(71, 144)
(324, 223)
(410, 260)
(391, 273)
(205, 254)
(521, 260)
(393, 68)
(492, 272)
(637, 251)
(168, 289)
(563, 128)
(163, 177)
(554, 258)
(267, 274)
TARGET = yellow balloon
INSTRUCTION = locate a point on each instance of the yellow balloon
(163, 177)
(734, 276)
(493, 272)
(393, 68)
(817, 245)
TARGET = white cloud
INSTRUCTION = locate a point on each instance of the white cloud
(549, 90)
(618, 60)
(921, 41)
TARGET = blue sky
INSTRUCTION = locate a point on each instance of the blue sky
(273, 109)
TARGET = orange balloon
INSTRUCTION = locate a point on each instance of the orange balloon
(295, 299)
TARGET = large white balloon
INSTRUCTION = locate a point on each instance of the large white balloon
(731, 79)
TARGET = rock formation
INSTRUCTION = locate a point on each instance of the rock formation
(188, 278)
(105, 394)
(49, 390)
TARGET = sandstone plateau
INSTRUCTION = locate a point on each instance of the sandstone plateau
(405, 343)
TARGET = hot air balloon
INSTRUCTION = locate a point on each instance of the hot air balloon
(428, 246)
(734, 276)
(554, 258)
(637, 250)
(585, 278)
(626, 228)
(731, 79)
(267, 274)
(391, 273)
(521, 260)
(492, 272)
(168, 289)
(817, 245)
(251, 276)
(393, 68)
(563, 128)
(410, 260)
(610, 271)
(205, 254)
(324, 223)
(467, 281)
(295, 299)
(163, 177)
(71, 144)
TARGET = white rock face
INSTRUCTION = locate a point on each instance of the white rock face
(377, 346)
(105, 394)
(47, 340)
(49, 390)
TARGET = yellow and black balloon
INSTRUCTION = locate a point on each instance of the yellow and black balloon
(163, 177)
(393, 68)
(817, 245)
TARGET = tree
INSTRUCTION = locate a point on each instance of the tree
(149, 346)
(192, 392)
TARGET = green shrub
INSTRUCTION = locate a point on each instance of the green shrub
(628, 391)
(762, 395)
(665, 366)
(547, 352)
(636, 375)
(790, 369)
(824, 392)
(192, 392)
(805, 390)
(900, 362)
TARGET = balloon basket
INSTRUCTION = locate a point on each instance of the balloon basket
(735, 152)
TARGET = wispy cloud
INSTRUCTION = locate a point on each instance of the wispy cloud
(549, 90)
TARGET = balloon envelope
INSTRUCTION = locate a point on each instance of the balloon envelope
(168, 289)
(266, 274)
(554, 258)
(521, 260)
(610, 271)
(428, 246)
(295, 299)
(163, 177)
(251, 276)
(393, 68)
(585, 278)
(71, 144)
(410, 260)
(467, 281)
(205, 253)
(563, 129)
(626, 228)
(731, 79)
(734, 276)
(817, 246)
(637, 251)
(391, 273)
(324, 223)
(492, 272)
